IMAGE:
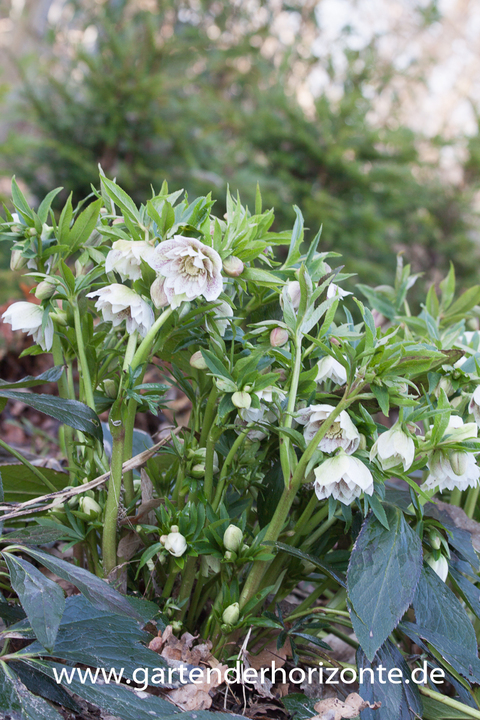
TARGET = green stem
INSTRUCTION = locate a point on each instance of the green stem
(109, 544)
(64, 392)
(471, 502)
(129, 424)
(31, 467)
(208, 418)
(172, 574)
(319, 532)
(449, 702)
(145, 346)
(288, 418)
(188, 578)
(85, 371)
(456, 497)
(209, 458)
(228, 460)
(316, 519)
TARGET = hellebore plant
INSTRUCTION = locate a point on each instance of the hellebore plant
(320, 428)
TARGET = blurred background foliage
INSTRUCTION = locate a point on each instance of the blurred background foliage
(204, 93)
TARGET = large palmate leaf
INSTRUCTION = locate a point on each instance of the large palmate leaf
(42, 599)
(17, 703)
(382, 575)
(70, 412)
(97, 591)
(400, 699)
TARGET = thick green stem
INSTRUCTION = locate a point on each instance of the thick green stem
(456, 497)
(129, 424)
(84, 369)
(188, 578)
(209, 458)
(228, 460)
(145, 346)
(319, 532)
(109, 545)
(64, 392)
(208, 418)
(450, 702)
(471, 501)
(292, 396)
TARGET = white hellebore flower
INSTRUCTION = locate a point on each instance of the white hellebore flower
(176, 544)
(190, 268)
(474, 406)
(117, 303)
(28, 318)
(341, 434)
(335, 291)
(451, 470)
(344, 477)
(263, 414)
(394, 447)
(331, 369)
(458, 431)
(439, 566)
(220, 320)
(125, 258)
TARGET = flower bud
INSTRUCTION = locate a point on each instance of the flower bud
(197, 361)
(232, 538)
(362, 445)
(458, 462)
(32, 232)
(174, 528)
(439, 566)
(198, 470)
(175, 544)
(45, 289)
(293, 290)
(90, 507)
(230, 556)
(435, 540)
(231, 614)
(110, 388)
(60, 317)
(225, 385)
(163, 539)
(233, 266)
(241, 400)
(17, 261)
(278, 337)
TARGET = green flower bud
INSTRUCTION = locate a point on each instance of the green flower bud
(458, 462)
(231, 614)
(435, 540)
(45, 289)
(198, 471)
(90, 507)
(17, 261)
(110, 388)
(60, 317)
(233, 538)
(197, 361)
(233, 266)
(241, 400)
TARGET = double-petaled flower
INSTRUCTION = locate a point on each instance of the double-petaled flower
(341, 434)
(342, 477)
(189, 270)
(331, 369)
(118, 303)
(125, 258)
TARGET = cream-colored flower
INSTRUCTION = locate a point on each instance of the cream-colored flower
(343, 477)
(190, 268)
(451, 470)
(341, 434)
(331, 369)
(474, 406)
(176, 544)
(118, 303)
(28, 318)
(394, 447)
(125, 258)
(458, 431)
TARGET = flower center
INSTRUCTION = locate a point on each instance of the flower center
(189, 267)
(124, 314)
